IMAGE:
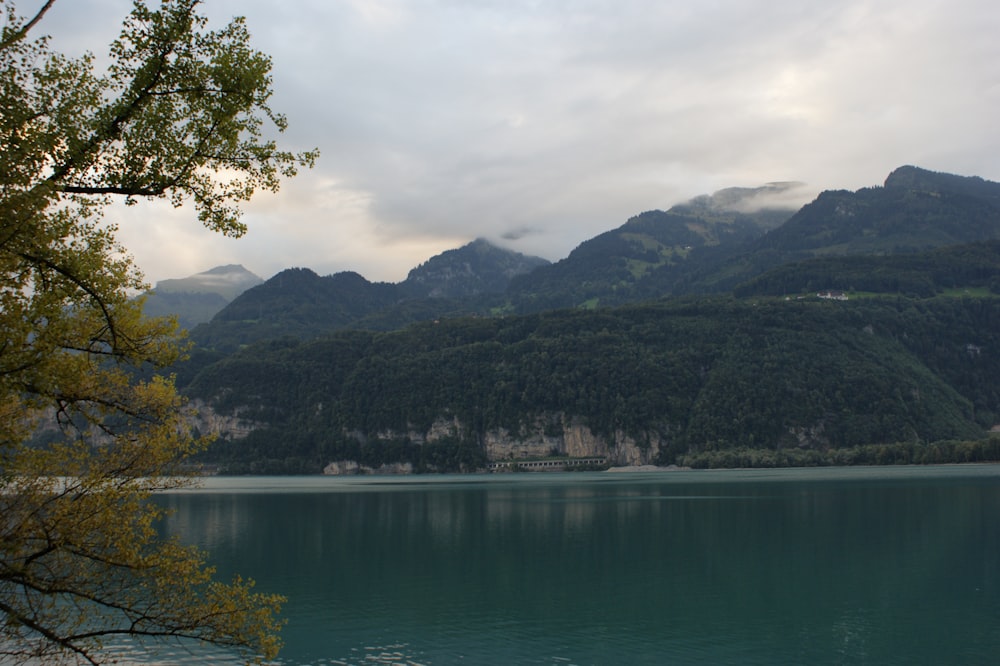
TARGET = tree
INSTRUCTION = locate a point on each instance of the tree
(180, 114)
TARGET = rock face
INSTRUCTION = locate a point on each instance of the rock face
(575, 440)
(207, 421)
(569, 438)
(352, 468)
(551, 435)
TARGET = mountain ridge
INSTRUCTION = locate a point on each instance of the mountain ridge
(197, 298)
(710, 244)
(300, 303)
(673, 339)
(479, 267)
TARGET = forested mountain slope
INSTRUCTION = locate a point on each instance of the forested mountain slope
(472, 270)
(664, 383)
(972, 266)
(296, 302)
(642, 258)
(302, 304)
(710, 245)
(916, 210)
(768, 372)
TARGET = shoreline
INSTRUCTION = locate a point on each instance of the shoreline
(647, 468)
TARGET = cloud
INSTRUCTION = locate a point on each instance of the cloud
(783, 195)
(543, 124)
(518, 234)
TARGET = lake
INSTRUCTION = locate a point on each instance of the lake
(896, 565)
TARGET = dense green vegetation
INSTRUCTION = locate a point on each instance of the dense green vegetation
(969, 266)
(915, 211)
(701, 376)
(898, 453)
(296, 302)
(643, 258)
(472, 270)
(299, 303)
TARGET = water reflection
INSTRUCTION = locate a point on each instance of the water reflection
(635, 571)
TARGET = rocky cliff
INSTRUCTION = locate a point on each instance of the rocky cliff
(206, 421)
(572, 439)
(550, 435)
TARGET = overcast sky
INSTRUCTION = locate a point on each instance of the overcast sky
(539, 124)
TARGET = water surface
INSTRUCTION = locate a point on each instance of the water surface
(818, 566)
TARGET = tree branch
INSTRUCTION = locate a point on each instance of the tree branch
(114, 127)
(42, 261)
(20, 34)
(147, 191)
(49, 635)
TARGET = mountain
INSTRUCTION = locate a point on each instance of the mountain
(915, 210)
(197, 298)
(693, 382)
(643, 257)
(227, 281)
(972, 266)
(302, 304)
(712, 244)
(477, 268)
(296, 302)
(910, 372)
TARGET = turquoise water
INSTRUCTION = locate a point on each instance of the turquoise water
(819, 566)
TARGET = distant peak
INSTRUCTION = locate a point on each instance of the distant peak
(475, 268)
(228, 268)
(350, 277)
(907, 176)
(923, 180)
(228, 281)
(296, 271)
(483, 245)
(294, 275)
